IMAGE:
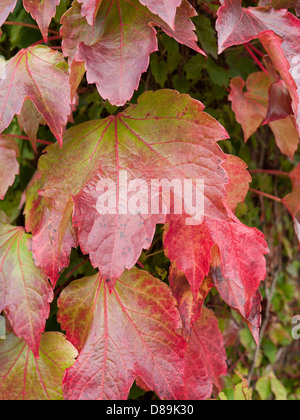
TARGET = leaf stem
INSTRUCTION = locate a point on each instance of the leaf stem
(256, 50)
(51, 38)
(256, 60)
(269, 172)
(263, 194)
(27, 138)
(28, 25)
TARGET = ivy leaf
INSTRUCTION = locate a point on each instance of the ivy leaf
(40, 74)
(9, 166)
(116, 49)
(23, 376)
(25, 292)
(149, 140)
(141, 314)
(251, 110)
(42, 12)
(205, 358)
(279, 33)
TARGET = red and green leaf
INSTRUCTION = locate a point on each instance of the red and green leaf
(9, 166)
(121, 335)
(117, 47)
(23, 376)
(43, 12)
(25, 293)
(40, 74)
(279, 33)
(101, 149)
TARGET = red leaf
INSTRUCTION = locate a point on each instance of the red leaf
(6, 7)
(122, 335)
(279, 32)
(42, 12)
(280, 102)
(53, 235)
(238, 183)
(116, 49)
(25, 292)
(251, 109)
(190, 308)
(33, 73)
(89, 9)
(100, 149)
(23, 376)
(29, 120)
(165, 9)
(9, 166)
(205, 358)
(240, 267)
(190, 247)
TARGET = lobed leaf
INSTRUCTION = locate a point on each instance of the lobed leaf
(149, 141)
(40, 74)
(23, 376)
(128, 333)
(25, 293)
(117, 47)
(42, 12)
(205, 358)
(279, 33)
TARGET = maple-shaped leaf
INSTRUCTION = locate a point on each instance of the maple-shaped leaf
(23, 376)
(117, 47)
(29, 120)
(145, 142)
(279, 33)
(9, 166)
(292, 200)
(191, 246)
(6, 7)
(251, 109)
(25, 293)
(40, 74)
(121, 335)
(42, 12)
(205, 358)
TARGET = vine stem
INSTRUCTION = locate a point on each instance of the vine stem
(256, 60)
(51, 38)
(27, 138)
(269, 172)
(256, 50)
(28, 25)
(263, 194)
